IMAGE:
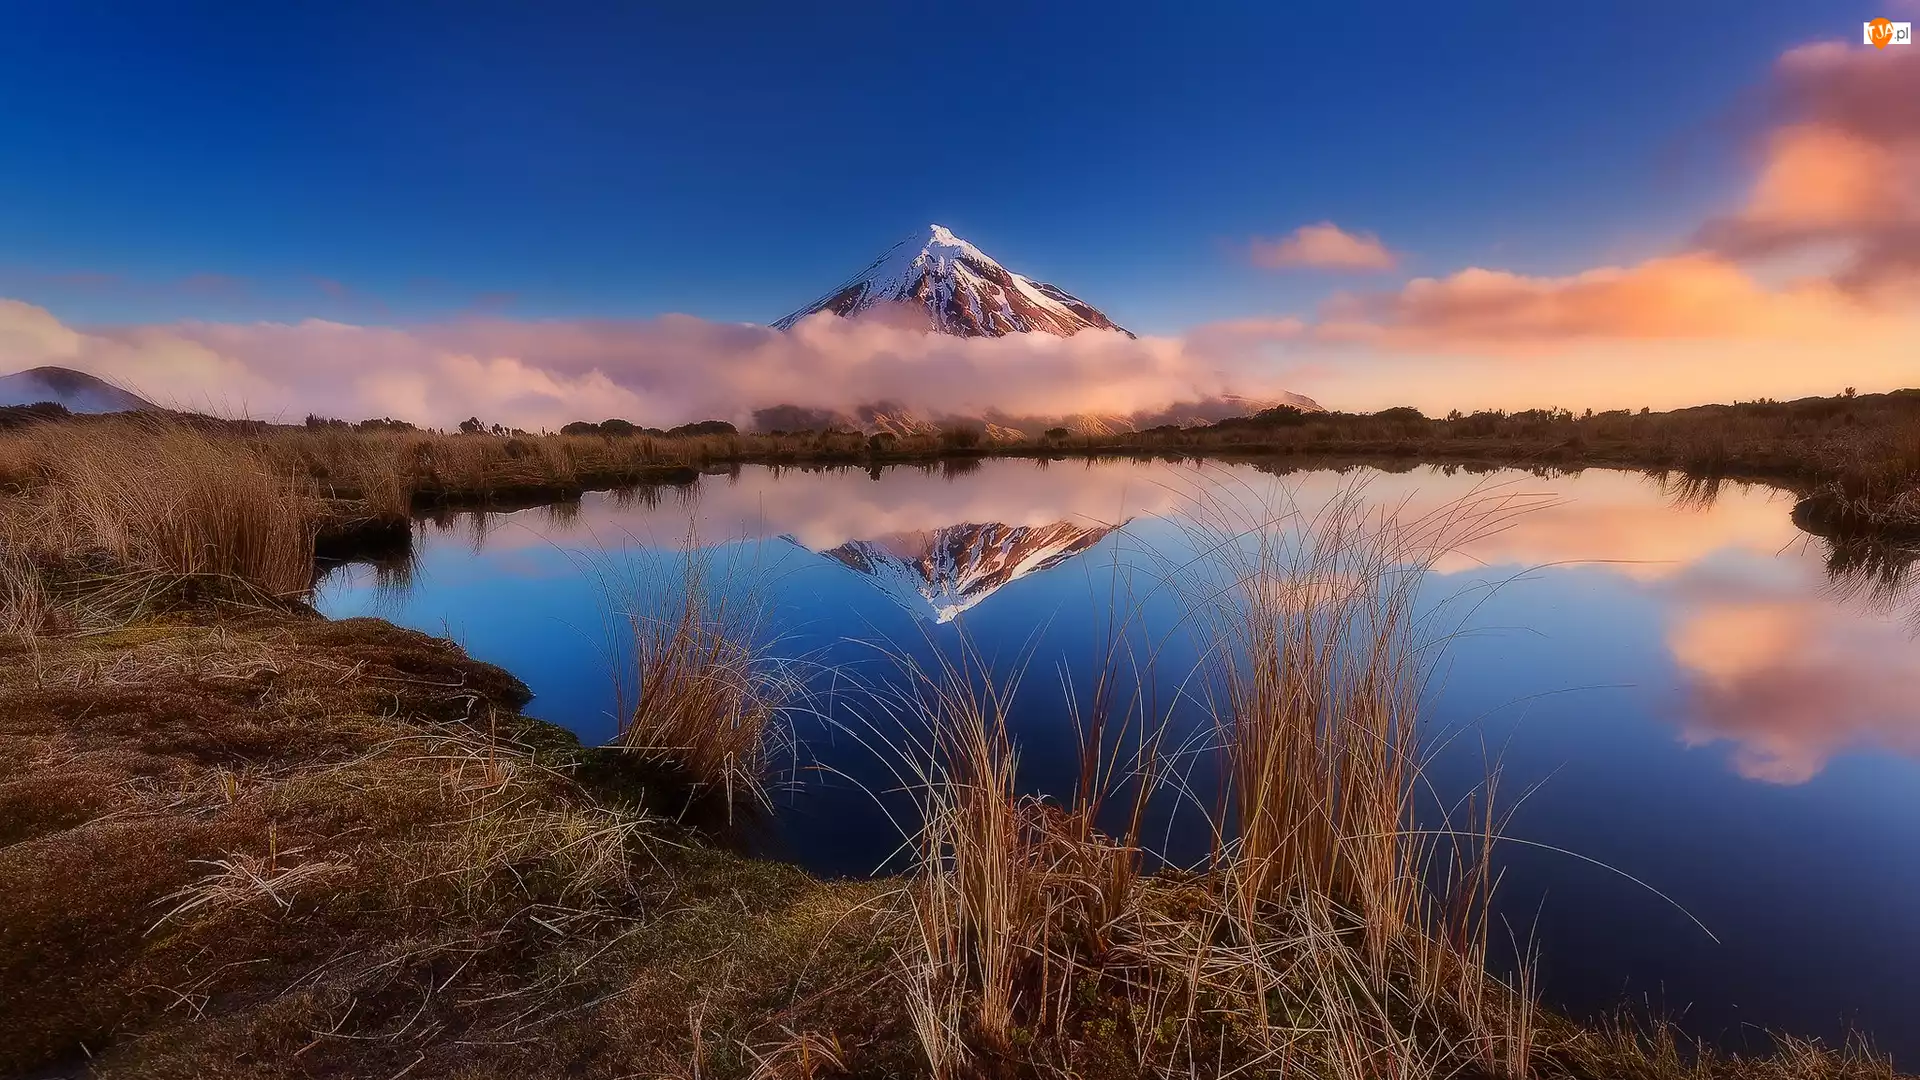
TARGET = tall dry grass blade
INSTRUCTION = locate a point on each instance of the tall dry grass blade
(699, 686)
(153, 504)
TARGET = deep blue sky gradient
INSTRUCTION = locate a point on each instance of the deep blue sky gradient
(388, 163)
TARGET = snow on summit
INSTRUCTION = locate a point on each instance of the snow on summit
(962, 290)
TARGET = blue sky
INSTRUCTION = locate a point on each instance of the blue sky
(379, 165)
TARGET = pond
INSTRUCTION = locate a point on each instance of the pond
(1706, 722)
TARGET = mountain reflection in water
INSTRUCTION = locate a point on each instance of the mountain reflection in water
(940, 573)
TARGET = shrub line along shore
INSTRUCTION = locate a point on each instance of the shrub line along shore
(1854, 460)
(238, 839)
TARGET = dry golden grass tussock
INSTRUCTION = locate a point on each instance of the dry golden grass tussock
(700, 688)
(1624, 1047)
(164, 501)
(1322, 935)
(26, 606)
(242, 878)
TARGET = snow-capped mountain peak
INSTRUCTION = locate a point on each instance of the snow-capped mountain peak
(962, 291)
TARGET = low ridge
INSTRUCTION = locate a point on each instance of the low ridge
(76, 390)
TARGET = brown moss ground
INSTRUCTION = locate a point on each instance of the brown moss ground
(398, 873)
(277, 846)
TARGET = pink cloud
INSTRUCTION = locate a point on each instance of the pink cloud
(1841, 170)
(223, 286)
(1324, 246)
(1839, 173)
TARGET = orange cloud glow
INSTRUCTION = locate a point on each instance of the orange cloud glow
(1841, 171)
(1680, 297)
(1838, 188)
(1324, 246)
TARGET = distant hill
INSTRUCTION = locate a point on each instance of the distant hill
(76, 390)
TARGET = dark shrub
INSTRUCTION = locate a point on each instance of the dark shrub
(384, 423)
(1280, 416)
(1400, 414)
(21, 415)
(960, 437)
(704, 427)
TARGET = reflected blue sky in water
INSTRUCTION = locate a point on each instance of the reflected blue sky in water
(1674, 691)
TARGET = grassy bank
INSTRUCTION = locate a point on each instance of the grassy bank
(1855, 459)
(279, 846)
(237, 839)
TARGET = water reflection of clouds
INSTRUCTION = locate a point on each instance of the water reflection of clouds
(1790, 676)
(1775, 657)
(1770, 659)
(1601, 515)
(823, 509)
(1621, 520)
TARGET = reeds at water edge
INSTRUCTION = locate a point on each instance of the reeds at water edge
(1325, 932)
(701, 692)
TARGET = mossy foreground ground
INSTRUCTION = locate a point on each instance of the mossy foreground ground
(275, 845)
(283, 846)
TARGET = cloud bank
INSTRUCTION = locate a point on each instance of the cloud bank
(662, 371)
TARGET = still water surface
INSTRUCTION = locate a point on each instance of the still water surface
(1690, 691)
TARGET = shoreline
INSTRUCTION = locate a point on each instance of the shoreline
(333, 794)
(346, 531)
